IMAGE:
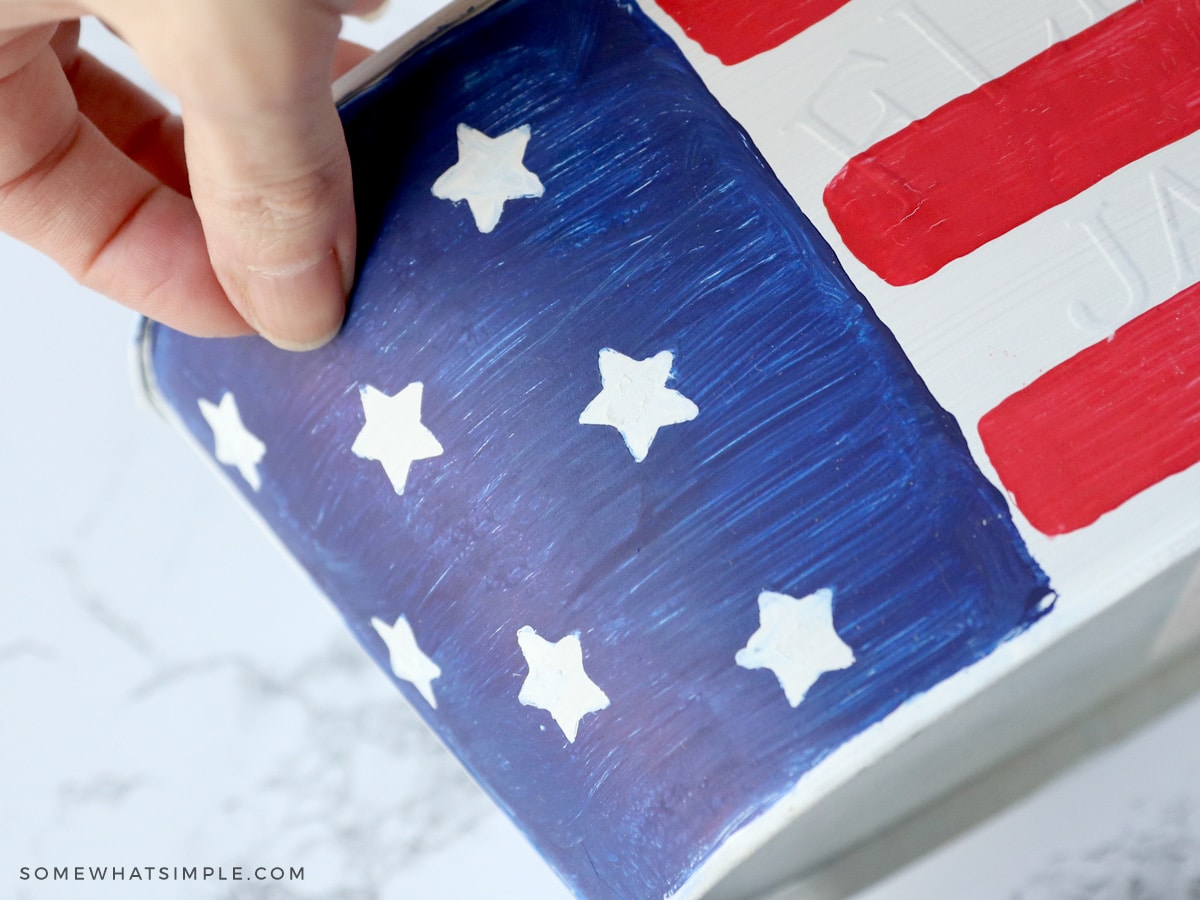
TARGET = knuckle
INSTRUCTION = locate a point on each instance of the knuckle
(289, 203)
(275, 216)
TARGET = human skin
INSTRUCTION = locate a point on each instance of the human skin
(233, 218)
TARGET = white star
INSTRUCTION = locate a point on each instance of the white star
(489, 172)
(234, 444)
(408, 662)
(557, 682)
(393, 434)
(796, 640)
(635, 400)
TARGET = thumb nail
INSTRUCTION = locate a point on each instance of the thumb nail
(298, 306)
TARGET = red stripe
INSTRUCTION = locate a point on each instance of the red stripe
(735, 30)
(1105, 425)
(1023, 143)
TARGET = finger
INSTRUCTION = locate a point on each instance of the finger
(132, 120)
(68, 192)
(368, 9)
(267, 159)
(346, 56)
(65, 41)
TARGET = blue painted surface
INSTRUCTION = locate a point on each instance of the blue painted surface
(818, 459)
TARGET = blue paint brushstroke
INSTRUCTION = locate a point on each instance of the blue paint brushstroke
(819, 459)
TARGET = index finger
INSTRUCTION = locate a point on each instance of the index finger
(67, 191)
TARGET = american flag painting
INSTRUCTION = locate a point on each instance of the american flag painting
(612, 469)
(735, 32)
(1022, 143)
(1016, 147)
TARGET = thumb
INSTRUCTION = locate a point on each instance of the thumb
(267, 160)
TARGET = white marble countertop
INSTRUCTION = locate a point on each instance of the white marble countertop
(139, 729)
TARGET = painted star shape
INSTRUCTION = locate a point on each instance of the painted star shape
(557, 682)
(489, 173)
(393, 434)
(635, 400)
(796, 640)
(409, 663)
(233, 443)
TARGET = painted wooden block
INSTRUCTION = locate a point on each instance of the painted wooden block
(684, 529)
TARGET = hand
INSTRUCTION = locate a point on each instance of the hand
(243, 221)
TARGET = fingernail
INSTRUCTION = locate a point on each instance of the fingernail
(376, 13)
(298, 306)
